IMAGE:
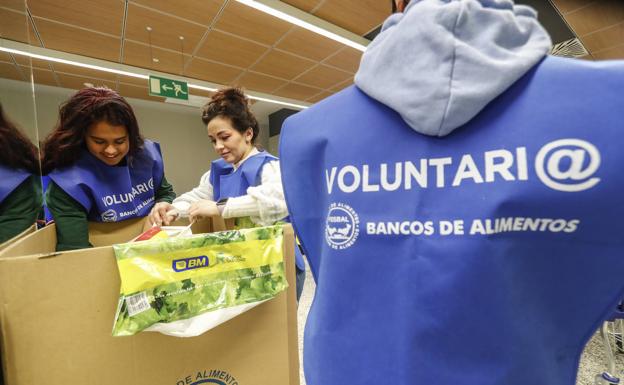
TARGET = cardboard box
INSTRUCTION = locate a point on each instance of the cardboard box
(16, 238)
(57, 314)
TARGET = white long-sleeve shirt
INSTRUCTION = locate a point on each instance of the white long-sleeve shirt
(265, 203)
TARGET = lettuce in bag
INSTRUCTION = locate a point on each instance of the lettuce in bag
(186, 286)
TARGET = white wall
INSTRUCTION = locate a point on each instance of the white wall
(18, 104)
(274, 145)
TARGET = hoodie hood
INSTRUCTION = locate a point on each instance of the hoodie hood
(442, 61)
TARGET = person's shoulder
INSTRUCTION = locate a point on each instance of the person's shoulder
(151, 146)
(267, 156)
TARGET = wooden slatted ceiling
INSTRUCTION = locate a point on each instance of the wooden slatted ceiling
(14, 25)
(224, 42)
(599, 24)
(229, 43)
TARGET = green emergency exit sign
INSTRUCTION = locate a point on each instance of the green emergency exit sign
(168, 88)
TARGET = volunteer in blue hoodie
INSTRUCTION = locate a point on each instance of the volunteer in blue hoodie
(100, 167)
(20, 182)
(461, 205)
(244, 184)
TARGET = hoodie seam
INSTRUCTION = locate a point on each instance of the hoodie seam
(452, 74)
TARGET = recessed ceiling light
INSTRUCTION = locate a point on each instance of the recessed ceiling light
(295, 16)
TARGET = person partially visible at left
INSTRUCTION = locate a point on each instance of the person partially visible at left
(20, 183)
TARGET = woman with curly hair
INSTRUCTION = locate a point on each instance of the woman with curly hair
(20, 187)
(100, 167)
(244, 184)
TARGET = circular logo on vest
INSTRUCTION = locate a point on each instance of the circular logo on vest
(568, 165)
(342, 226)
(109, 216)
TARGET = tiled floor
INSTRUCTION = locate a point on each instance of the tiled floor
(592, 361)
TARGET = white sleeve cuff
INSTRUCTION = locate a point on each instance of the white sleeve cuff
(243, 206)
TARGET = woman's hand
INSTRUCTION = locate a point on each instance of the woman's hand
(203, 209)
(162, 213)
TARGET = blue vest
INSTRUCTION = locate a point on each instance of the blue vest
(10, 179)
(227, 183)
(114, 193)
(488, 257)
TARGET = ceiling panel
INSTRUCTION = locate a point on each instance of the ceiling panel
(100, 15)
(297, 91)
(347, 59)
(283, 65)
(319, 97)
(606, 38)
(258, 82)
(37, 63)
(22, 60)
(247, 22)
(140, 55)
(202, 93)
(132, 91)
(132, 81)
(308, 44)
(341, 86)
(78, 41)
(44, 77)
(566, 6)
(304, 5)
(10, 71)
(166, 30)
(324, 77)
(212, 72)
(77, 82)
(13, 25)
(610, 54)
(229, 49)
(357, 16)
(85, 72)
(5, 57)
(199, 11)
(598, 15)
(17, 5)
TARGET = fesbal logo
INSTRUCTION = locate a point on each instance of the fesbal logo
(342, 226)
(109, 216)
(568, 165)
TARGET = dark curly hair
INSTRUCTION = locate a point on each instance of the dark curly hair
(16, 150)
(87, 107)
(232, 103)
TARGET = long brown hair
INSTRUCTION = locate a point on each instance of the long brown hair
(232, 103)
(16, 150)
(86, 107)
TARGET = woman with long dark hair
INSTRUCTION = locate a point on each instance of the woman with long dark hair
(20, 183)
(100, 167)
(245, 183)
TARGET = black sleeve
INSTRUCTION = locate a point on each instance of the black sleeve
(165, 192)
(70, 217)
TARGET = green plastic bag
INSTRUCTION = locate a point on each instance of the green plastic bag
(186, 286)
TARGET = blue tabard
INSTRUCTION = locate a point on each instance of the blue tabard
(488, 257)
(114, 193)
(10, 179)
(227, 183)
